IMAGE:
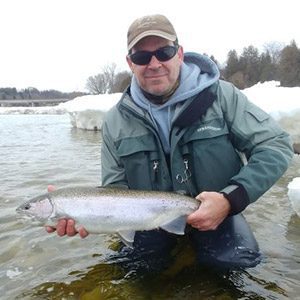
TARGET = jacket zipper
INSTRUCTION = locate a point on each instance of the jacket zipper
(188, 176)
(155, 165)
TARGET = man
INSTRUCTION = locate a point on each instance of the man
(178, 127)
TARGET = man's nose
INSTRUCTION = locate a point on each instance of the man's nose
(154, 62)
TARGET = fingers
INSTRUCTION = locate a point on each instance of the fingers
(200, 220)
(50, 229)
(213, 210)
(82, 232)
(51, 188)
(203, 196)
(61, 227)
(67, 227)
(70, 228)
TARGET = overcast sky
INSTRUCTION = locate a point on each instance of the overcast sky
(58, 44)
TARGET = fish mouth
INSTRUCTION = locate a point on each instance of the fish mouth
(25, 217)
(21, 214)
(21, 210)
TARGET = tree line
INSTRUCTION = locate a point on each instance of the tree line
(32, 93)
(276, 62)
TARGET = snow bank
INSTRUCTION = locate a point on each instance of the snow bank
(87, 112)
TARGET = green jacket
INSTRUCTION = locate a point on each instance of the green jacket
(209, 136)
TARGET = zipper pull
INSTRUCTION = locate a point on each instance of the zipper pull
(187, 177)
(186, 163)
(187, 171)
(155, 173)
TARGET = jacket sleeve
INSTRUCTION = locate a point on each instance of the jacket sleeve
(112, 170)
(267, 147)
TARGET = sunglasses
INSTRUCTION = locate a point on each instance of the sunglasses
(162, 54)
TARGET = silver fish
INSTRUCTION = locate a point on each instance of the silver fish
(111, 210)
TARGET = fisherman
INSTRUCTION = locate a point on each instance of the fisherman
(179, 127)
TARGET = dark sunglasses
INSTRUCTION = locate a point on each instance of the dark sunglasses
(162, 54)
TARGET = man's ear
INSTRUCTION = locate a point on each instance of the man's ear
(180, 53)
(129, 62)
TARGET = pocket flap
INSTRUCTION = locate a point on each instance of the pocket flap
(132, 145)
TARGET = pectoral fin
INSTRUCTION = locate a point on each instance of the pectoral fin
(176, 226)
(127, 237)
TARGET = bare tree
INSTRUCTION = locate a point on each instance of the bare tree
(109, 73)
(102, 82)
(122, 80)
(108, 81)
(96, 85)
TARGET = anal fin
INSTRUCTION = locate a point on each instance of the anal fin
(127, 237)
(176, 226)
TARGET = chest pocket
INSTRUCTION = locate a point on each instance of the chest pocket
(212, 156)
(140, 157)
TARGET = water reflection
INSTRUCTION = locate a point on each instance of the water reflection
(89, 137)
(107, 281)
(182, 279)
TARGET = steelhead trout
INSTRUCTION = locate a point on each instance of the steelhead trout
(111, 210)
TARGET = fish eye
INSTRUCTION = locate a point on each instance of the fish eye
(27, 206)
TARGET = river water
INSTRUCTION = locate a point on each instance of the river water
(37, 150)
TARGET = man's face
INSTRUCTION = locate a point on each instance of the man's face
(157, 77)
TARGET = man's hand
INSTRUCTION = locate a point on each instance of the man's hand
(213, 210)
(65, 226)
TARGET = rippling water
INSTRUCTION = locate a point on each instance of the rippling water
(37, 150)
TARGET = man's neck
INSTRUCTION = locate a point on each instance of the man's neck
(159, 100)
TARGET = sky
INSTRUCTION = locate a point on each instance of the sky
(58, 44)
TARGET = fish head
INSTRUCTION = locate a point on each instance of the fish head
(39, 208)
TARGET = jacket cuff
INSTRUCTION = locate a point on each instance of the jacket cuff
(237, 197)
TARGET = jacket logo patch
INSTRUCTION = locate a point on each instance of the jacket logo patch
(204, 128)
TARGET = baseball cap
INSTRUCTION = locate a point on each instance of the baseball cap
(157, 25)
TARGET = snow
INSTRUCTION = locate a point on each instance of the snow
(87, 112)
(294, 194)
(92, 102)
(275, 100)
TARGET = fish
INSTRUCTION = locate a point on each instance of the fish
(112, 210)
